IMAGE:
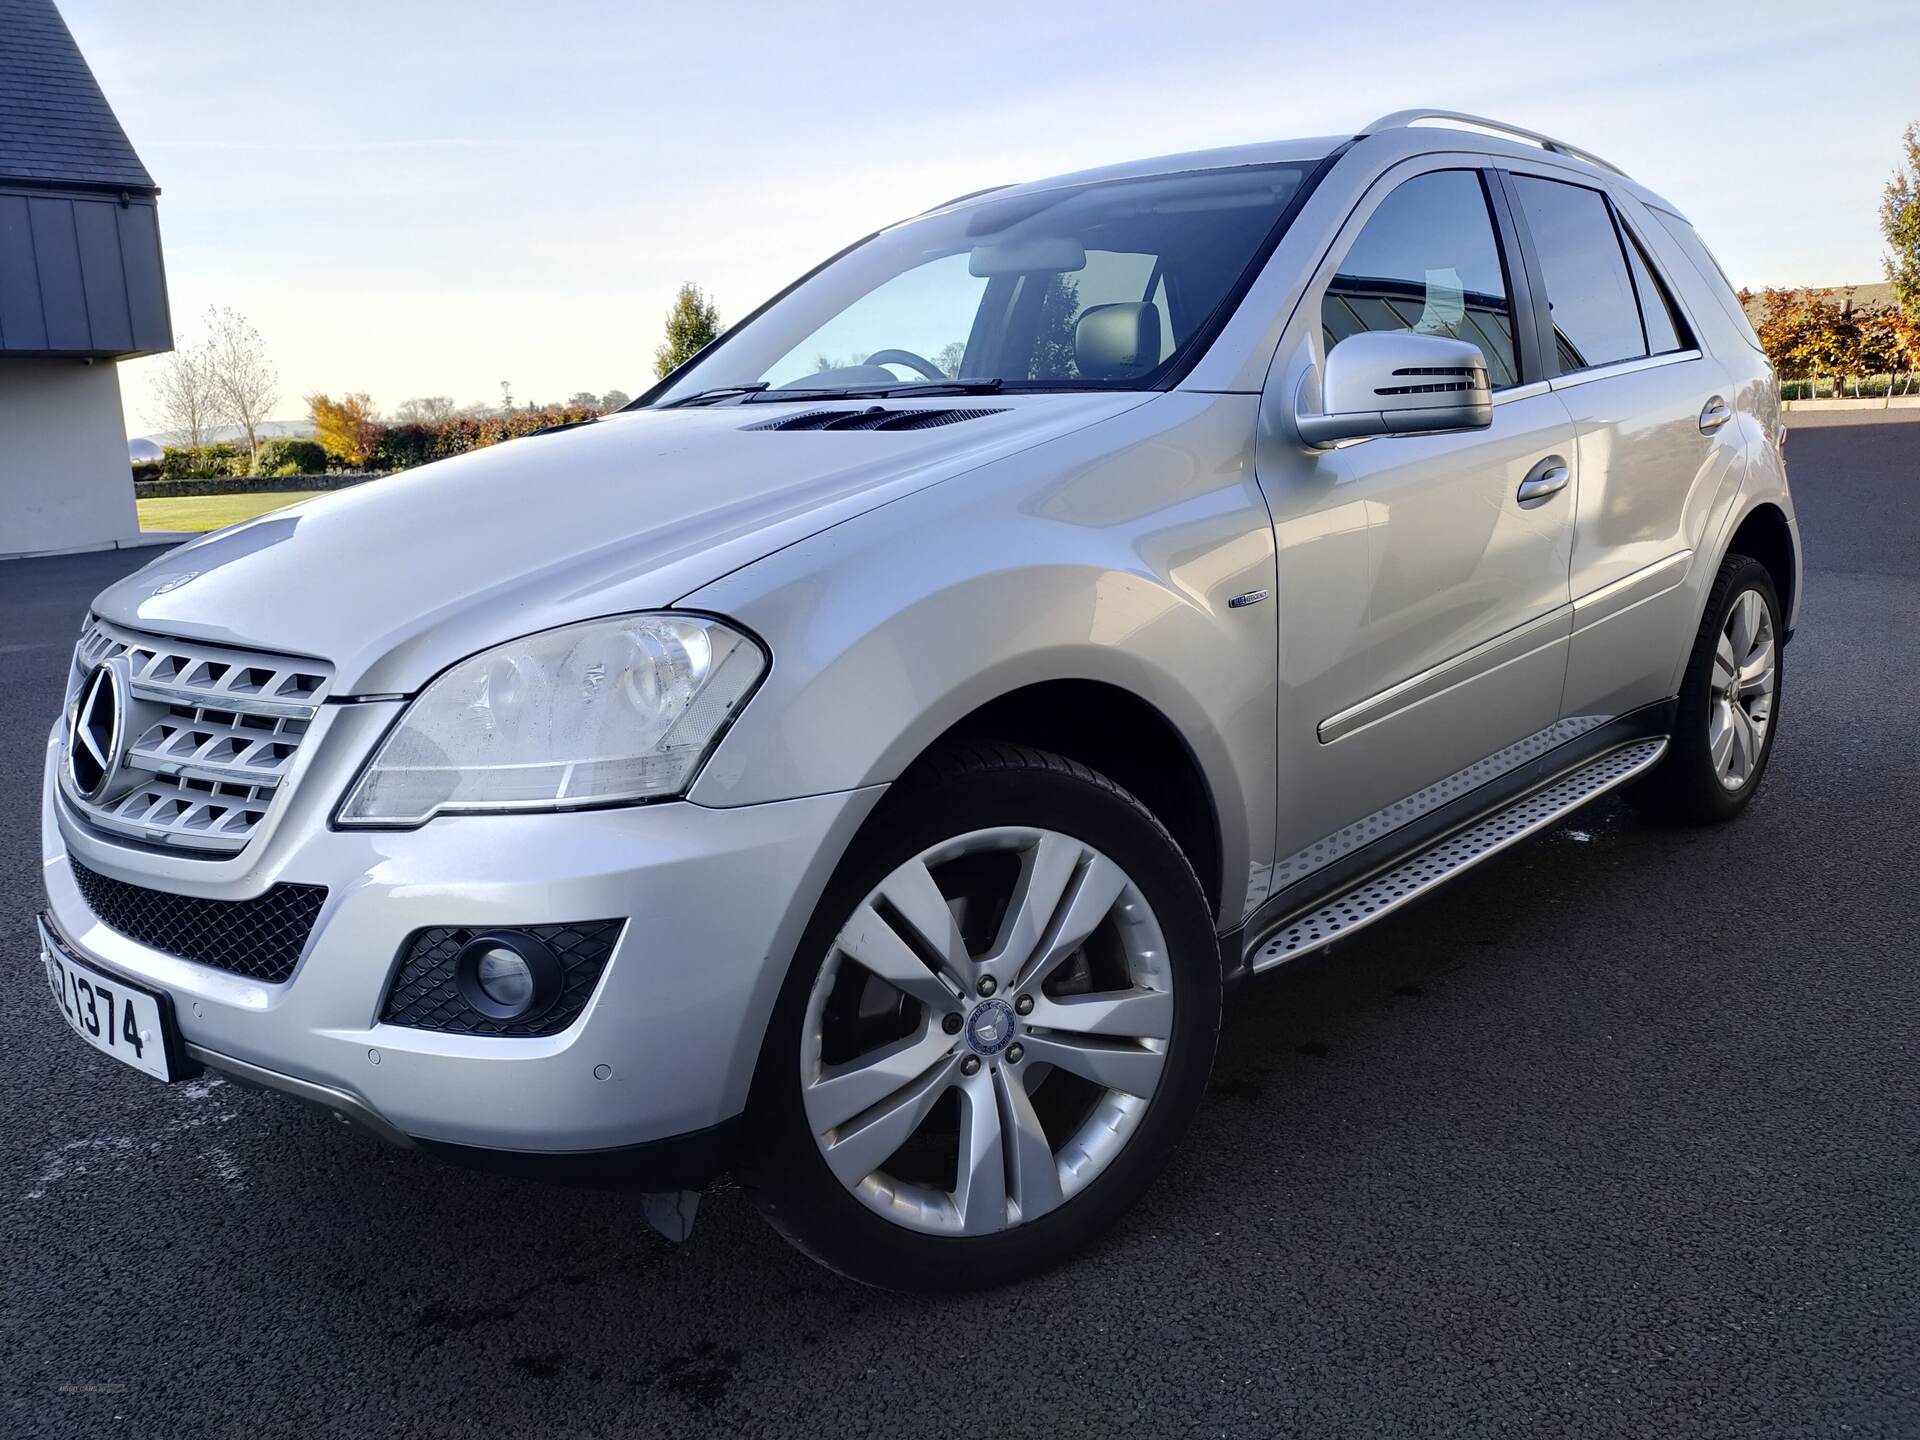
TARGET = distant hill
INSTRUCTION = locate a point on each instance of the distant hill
(268, 430)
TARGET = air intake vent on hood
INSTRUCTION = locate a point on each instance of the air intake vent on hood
(875, 417)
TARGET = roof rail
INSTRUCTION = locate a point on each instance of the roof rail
(1402, 118)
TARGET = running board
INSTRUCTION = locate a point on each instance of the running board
(1388, 891)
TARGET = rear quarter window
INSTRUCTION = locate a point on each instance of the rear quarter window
(1711, 275)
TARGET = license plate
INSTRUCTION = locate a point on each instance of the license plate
(112, 1016)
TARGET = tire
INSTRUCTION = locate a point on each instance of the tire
(1694, 783)
(966, 813)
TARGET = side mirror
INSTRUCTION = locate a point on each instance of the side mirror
(1387, 382)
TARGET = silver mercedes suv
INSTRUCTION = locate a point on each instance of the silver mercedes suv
(867, 763)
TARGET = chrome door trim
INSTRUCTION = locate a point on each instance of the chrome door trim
(1629, 590)
(1624, 367)
(1522, 640)
(1521, 392)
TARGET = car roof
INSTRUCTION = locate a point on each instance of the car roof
(1266, 152)
(1384, 146)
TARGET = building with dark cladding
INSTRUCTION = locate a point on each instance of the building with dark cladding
(82, 286)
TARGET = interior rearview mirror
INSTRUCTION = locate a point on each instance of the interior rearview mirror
(1386, 382)
(1026, 255)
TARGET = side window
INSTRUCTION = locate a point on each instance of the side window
(1428, 261)
(1665, 329)
(1595, 319)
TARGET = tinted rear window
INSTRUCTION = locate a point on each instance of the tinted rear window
(1595, 318)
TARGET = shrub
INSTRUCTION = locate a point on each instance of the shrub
(209, 462)
(289, 457)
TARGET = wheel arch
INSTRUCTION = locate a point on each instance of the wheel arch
(1765, 534)
(1109, 728)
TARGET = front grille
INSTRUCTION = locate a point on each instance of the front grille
(260, 938)
(211, 739)
(425, 997)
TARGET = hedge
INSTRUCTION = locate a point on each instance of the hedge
(247, 485)
(178, 462)
(403, 446)
(399, 447)
(280, 458)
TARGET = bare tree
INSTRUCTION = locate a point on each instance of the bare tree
(614, 400)
(426, 410)
(186, 401)
(243, 377)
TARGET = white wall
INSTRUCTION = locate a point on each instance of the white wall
(64, 479)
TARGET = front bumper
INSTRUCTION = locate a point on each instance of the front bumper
(714, 900)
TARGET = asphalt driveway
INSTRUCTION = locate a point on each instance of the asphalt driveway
(1619, 1134)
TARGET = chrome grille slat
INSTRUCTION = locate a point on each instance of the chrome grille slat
(204, 747)
(241, 704)
(219, 732)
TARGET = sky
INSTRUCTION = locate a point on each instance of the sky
(421, 197)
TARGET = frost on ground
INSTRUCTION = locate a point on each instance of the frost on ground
(108, 1155)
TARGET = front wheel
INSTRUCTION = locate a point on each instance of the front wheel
(999, 1023)
(1728, 711)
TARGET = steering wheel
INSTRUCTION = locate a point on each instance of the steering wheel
(907, 358)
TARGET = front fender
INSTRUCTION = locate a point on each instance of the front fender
(1108, 556)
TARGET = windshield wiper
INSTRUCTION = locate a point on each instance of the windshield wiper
(878, 392)
(945, 387)
(719, 392)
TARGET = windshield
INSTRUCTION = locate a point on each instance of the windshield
(1108, 285)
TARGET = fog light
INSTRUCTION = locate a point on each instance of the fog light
(505, 979)
(508, 976)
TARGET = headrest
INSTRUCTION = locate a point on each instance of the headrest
(1117, 342)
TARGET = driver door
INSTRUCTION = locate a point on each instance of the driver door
(1424, 607)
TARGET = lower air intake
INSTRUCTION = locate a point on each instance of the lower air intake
(260, 938)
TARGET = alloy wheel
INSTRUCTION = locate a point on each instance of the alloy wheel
(1742, 689)
(987, 1031)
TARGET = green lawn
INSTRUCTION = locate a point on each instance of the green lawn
(210, 512)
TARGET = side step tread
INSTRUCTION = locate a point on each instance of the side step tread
(1439, 863)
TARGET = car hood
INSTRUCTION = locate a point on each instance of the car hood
(393, 580)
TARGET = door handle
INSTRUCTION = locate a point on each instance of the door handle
(1713, 415)
(1548, 477)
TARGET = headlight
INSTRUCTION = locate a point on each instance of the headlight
(592, 714)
